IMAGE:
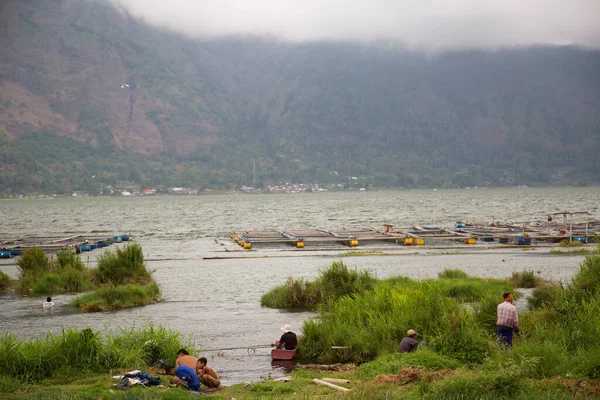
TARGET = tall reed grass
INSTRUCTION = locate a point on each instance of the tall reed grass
(526, 279)
(43, 275)
(125, 266)
(73, 353)
(333, 283)
(5, 281)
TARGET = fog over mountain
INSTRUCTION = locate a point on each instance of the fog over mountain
(428, 25)
(92, 96)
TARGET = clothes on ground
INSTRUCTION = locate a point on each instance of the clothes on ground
(48, 304)
(507, 315)
(188, 361)
(138, 378)
(288, 341)
(407, 345)
(188, 376)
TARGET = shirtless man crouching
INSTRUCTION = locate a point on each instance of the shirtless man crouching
(208, 376)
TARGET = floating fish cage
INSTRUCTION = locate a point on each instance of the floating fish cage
(463, 233)
(78, 244)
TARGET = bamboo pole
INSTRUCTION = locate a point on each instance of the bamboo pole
(335, 380)
(331, 385)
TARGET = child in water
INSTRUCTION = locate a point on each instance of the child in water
(48, 303)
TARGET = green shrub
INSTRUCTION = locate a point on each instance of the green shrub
(452, 274)
(47, 275)
(4, 281)
(586, 363)
(67, 258)
(586, 283)
(33, 262)
(570, 243)
(544, 295)
(540, 359)
(47, 284)
(333, 282)
(525, 279)
(461, 338)
(117, 297)
(124, 266)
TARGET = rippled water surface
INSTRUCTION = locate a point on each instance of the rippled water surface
(217, 300)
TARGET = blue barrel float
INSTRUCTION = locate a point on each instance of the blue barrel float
(5, 254)
(84, 247)
(503, 240)
(16, 252)
(580, 239)
(523, 240)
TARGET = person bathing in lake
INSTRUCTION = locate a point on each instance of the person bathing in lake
(508, 321)
(288, 340)
(48, 303)
(207, 375)
(409, 343)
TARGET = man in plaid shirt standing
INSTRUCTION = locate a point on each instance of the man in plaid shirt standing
(508, 320)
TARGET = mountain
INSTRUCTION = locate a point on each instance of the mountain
(91, 97)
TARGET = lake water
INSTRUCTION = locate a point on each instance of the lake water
(214, 296)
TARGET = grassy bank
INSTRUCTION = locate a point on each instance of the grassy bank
(122, 282)
(556, 357)
(121, 279)
(118, 297)
(73, 353)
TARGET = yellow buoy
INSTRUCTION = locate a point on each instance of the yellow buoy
(353, 242)
(470, 241)
(420, 241)
(247, 245)
(300, 244)
(409, 241)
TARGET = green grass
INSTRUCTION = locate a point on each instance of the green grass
(5, 281)
(333, 283)
(117, 297)
(43, 275)
(574, 251)
(453, 274)
(74, 354)
(525, 279)
(393, 363)
(567, 243)
(125, 266)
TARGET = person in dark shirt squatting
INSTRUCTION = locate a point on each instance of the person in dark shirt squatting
(409, 343)
(288, 340)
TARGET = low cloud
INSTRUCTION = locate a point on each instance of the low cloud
(419, 24)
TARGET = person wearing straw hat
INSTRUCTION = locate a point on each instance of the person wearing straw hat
(288, 340)
(409, 343)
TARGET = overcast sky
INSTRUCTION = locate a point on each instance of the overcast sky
(419, 24)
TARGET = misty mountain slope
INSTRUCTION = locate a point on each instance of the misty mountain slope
(197, 112)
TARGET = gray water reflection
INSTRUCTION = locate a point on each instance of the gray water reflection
(217, 301)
